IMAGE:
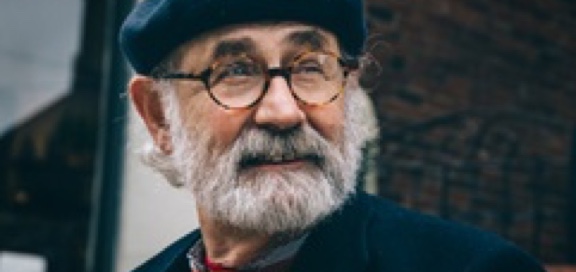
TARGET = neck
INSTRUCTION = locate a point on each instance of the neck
(230, 246)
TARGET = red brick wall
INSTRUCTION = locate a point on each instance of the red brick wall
(510, 64)
(457, 54)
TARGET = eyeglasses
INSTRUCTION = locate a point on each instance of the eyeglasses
(241, 81)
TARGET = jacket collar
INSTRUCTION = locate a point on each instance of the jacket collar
(337, 244)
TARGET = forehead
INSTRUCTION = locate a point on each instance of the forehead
(267, 40)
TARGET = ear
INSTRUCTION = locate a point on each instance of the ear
(149, 107)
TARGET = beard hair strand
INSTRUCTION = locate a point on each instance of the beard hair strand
(268, 202)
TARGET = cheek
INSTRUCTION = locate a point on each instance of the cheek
(328, 121)
(201, 114)
(222, 126)
(226, 126)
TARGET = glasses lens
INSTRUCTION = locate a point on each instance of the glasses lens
(236, 81)
(317, 78)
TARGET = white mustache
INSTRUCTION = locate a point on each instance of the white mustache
(256, 146)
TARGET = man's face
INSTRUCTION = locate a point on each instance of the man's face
(278, 110)
(278, 166)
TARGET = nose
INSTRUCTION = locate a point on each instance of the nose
(279, 109)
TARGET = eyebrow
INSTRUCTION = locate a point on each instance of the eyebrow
(312, 38)
(233, 47)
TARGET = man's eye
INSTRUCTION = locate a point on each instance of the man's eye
(309, 67)
(235, 72)
(239, 69)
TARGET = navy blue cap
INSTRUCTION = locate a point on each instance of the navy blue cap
(155, 28)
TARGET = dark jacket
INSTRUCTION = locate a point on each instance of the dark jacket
(372, 234)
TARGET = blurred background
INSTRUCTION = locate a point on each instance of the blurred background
(476, 101)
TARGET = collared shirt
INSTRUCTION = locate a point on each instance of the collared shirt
(279, 256)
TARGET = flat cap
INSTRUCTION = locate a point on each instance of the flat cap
(155, 28)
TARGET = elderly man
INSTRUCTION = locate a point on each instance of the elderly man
(254, 107)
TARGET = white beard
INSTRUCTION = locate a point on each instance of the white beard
(269, 201)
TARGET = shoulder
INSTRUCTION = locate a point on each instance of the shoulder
(398, 238)
(170, 257)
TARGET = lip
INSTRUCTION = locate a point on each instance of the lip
(264, 164)
(290, 164)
